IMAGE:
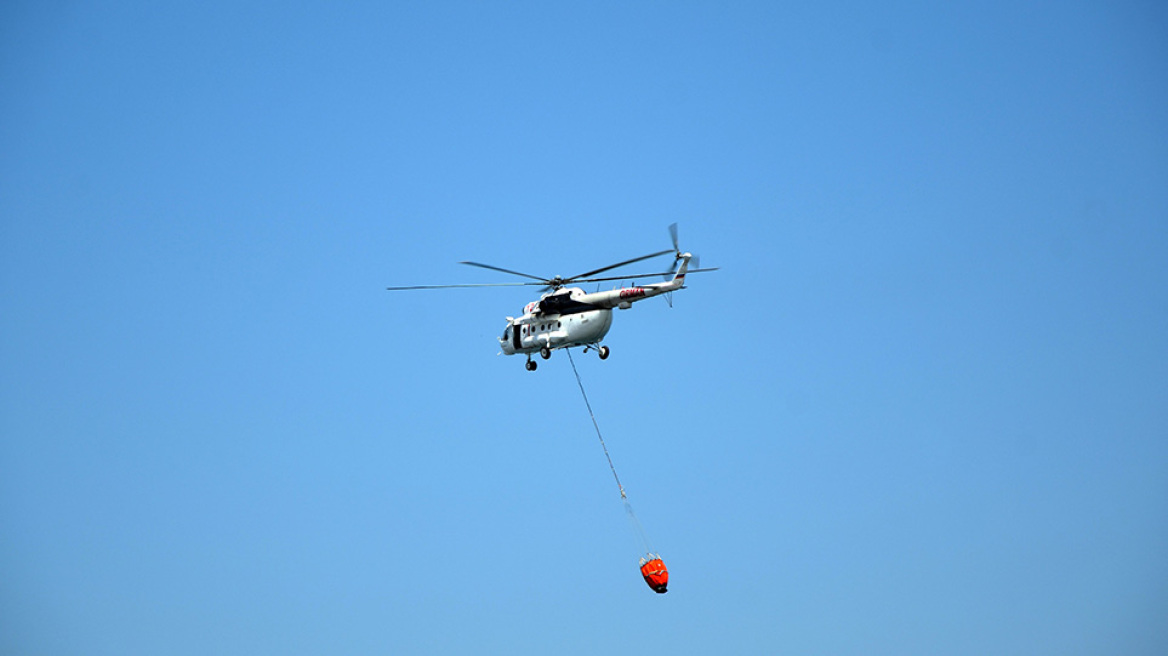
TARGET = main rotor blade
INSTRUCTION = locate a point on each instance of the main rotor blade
(489, 284)
(673, 235)
(619, 264)
(624, 277)
(642, 275)
(514, 273)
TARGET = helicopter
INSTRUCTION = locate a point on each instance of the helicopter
(566, 317)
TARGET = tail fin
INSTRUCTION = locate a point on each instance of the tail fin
(679, 276)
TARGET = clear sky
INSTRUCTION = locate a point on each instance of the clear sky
(921, 409)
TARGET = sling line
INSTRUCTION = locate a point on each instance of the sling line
(596, 426)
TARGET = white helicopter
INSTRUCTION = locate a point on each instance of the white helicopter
(564, 316)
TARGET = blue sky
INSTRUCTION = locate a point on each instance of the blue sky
(922, 408)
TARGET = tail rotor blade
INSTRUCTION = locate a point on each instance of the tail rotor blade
(676, 255)
(668, 275)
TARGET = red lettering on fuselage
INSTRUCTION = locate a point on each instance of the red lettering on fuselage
(632, 292)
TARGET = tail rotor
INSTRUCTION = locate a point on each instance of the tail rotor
(676, 253)
(678, 256)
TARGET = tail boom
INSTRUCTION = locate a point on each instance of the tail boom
(625, 297)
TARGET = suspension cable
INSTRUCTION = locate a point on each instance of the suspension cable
(596, 426)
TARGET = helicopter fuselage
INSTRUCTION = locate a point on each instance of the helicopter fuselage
(558, 320)
(569, 316)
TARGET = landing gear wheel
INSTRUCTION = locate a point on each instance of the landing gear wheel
(545, 353)
(531, 365)
(603, 352)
